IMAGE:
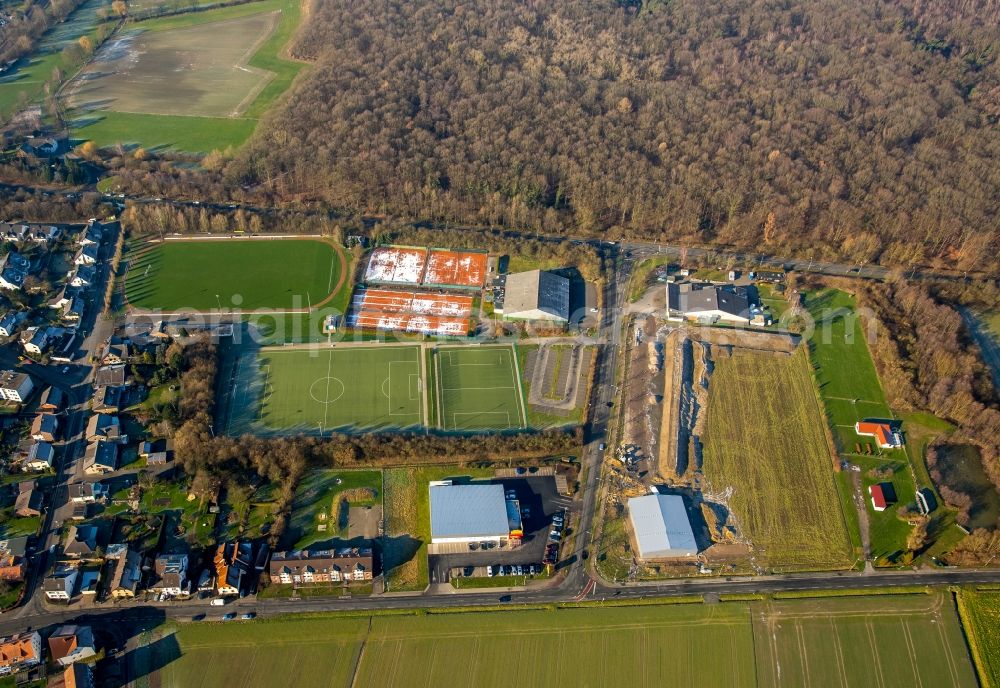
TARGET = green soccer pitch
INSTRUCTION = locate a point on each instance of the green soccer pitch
(309, 390)
(478, 388)
(235, 273)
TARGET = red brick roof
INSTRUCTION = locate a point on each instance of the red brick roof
(881, 431)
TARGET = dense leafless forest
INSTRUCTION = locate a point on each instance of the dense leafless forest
(866, 129)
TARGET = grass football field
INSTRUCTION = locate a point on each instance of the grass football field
(234, 273)
(764, 441)
(370, 388)
(478, 388)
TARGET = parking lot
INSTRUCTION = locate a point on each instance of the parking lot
(539, 500)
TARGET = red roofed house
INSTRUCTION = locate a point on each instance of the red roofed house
(20, 651)
(882, 432)
(883, 494)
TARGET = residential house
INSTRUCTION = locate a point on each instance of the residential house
(39, 457)
(156, 452)
(227, 577)
(81, 542)
(82, 276)
(14, 268)
(61, 299)
(10, 321)
(16, 547)
(100, 457)
(883, 433)
(71, 643)
(92, 235)
(52, 400)
(45, 427)
(74, 310)
(28, 504)
(15, 386)
(61, 583)
(127, 574)
(21, 651)
(104, 426)
(711, 303)
(77, 675)
(35, 340)
(171, 574)
(44, 146)
(115, 354)
(321, 566)
(87, 493)
(12, 569)
(110, 376)
(87, 255)
(89, 578)
(41, 234)
(107, 399)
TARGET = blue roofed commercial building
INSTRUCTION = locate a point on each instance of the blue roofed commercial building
(660, 528)
(472, 513)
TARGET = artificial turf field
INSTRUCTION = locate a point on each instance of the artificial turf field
(884, 641)
(478, 388)
(365, 388)
(234, 273)
(764, 442)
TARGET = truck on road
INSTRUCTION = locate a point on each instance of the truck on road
(218, 601)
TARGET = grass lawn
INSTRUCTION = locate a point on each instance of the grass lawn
(153, 127)
(13, 526)
(980, 612)
(408, 522)
(189, 515)
(897, 640)
(776, 460)
(288, 390)
(478, 388)
(640, 276)
(234, 273)
(317, 513)
(851, 391)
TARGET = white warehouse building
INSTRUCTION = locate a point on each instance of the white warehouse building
(472, 513)
(660, 527)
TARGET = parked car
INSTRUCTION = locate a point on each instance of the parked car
(229, 617)
(248, 616)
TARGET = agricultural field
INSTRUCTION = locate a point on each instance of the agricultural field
(195, 82)
(321, 503)
(764, 442)
(980, 611)
(408, 522)
(317, 652)
(308, 390)
(478, 388)
(235, 273)
(898, 640)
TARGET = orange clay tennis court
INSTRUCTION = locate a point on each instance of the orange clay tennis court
(455, 268)
(405, 311)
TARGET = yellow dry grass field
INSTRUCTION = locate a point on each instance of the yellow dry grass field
(765, 447)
